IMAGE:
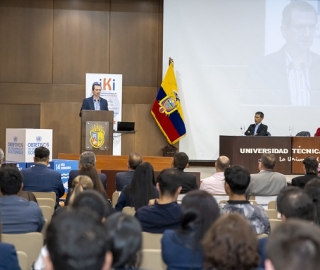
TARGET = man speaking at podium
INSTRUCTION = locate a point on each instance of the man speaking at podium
(95, 102)
(257, 129)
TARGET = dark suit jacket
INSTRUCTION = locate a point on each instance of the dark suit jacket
(189, 181)
(301, 181)
(74, 173)
(269, 81)
(123, 179)
(8, 257)
(41, 178)
(88, 104)
(262, 130)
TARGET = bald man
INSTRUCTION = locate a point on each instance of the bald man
(215, 183)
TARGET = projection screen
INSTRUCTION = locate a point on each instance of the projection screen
(235, 57)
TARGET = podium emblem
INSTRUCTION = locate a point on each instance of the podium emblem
(97, 134)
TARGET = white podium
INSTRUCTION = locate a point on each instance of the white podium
(21, 143)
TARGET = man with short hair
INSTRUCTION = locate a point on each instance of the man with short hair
(17, 214)
(266, 182)
(189, 181)
(237, 180)
(125, 178)
(310, 165)
(294, 202)
(87, 157)
(76, 240)
(257, 129)
(294, 245)
(165, 212)
(40, 177)
(215, 183)
(95, 102)
(1, 157)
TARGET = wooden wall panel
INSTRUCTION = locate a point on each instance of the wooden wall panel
(81, 40)
(32, 93)
(17, 116)
(47, 46)
(134, 41)
(26, 41)
(63, 118)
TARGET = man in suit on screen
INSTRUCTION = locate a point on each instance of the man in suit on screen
(95, 102)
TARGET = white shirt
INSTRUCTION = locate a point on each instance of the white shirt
(214, 184)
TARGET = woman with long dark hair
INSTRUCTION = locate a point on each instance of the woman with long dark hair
(181, 249)
(141, 189)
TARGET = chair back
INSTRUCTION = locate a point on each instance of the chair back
(152, 259)
(273, 213)
(264, 200)
(274, 223)
(23, 260)
(219, 198)
(304, 134)
(30, 243)
(272, 205)
(129, 210)
(47, 202)
(115, 197)
(180, 197)
(50, 195)
(151, 240)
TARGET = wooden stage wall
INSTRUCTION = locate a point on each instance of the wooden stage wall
(50, 45)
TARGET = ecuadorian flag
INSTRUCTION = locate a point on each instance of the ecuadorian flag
(167, 110)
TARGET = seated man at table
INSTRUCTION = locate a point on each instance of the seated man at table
(17, 214)
(310, 165)
(257, 129)
(165, 212)
(266, 182)
(125, 178)
(40, 178)
(86, 157)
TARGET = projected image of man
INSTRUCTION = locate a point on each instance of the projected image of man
(292, 73)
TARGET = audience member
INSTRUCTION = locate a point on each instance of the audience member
(294, 245)
(79, 184)
(1, 157)
(89, 200)
(40, 177)
(17, 214)
(189, 181)
(165, 212)
(124, 178)
(312, 188)
(93, 201)
(294, 202)
(8, 257)
(91, 172)
(310, 165)
(215, 183)
(257, 129)
(141, 189)
(125, 238)
(86, 158)
(181, 249)
(76, 240)
(266, 182)
(237, 180)
(230, 244)
(29, 196)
